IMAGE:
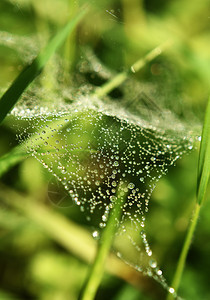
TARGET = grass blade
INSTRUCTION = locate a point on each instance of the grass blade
(204, 158)
(96, 272)
(202, 182)
(23, 80)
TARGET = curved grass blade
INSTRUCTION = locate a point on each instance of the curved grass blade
(23, 80)
(204, 158)
(12, 158)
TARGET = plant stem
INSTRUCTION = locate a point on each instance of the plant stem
(184, 252)
(202, 182)
(121, 77)
(96, 272)
(204, 158)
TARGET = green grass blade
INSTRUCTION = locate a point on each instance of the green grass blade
(185, 250)
(204, 158)
(96, 272)
(23, 80)
(12, 158)
(202, 182)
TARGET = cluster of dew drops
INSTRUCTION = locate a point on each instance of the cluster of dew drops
(90, 153)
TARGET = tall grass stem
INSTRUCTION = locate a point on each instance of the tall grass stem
(96, 272)
(202, 182)
(182, 259)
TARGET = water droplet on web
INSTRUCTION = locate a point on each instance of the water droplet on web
(131, 185)
(102, 225)
(153, 263)
(171, 290)
(76, 200)
(96, 234)
(104, 218)
(159, 272)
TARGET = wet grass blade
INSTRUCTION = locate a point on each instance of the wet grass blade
(202, 182)
(23, 80)
(204, 158)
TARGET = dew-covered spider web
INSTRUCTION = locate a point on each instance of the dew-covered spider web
(91, 146)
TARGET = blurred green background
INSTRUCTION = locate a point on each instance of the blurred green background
(39, 257)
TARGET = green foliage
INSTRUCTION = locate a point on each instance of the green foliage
(44, 247)
(204, 158)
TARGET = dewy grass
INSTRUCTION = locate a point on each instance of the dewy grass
(202, 182)
(14, 92)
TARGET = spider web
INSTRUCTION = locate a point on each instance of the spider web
(91, 146)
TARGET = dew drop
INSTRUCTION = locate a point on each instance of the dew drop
(171, 290)
(116, 163)
(114, 183)
(102, 225)
(95, 234)
(131, 185)
(152, 263)
(104, 218)
(159, 272)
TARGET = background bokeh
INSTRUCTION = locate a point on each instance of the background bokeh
(36, 258)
